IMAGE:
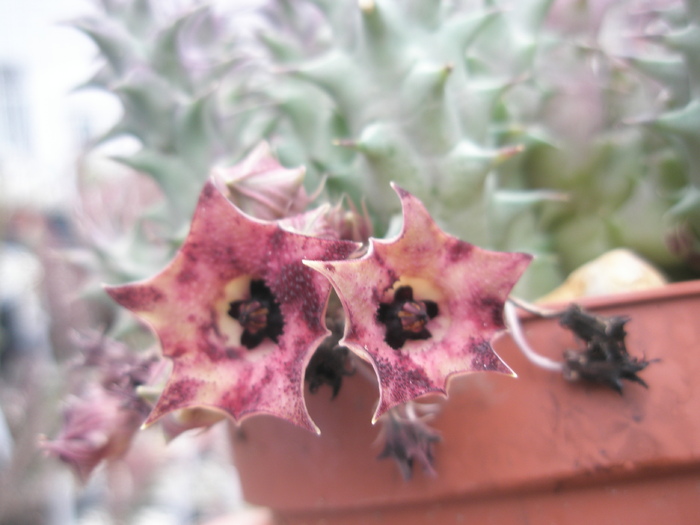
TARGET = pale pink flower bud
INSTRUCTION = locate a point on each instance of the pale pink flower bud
(260, 186)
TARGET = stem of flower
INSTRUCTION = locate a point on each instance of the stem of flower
(533, 308)
(516, 331)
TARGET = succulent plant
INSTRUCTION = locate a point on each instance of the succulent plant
(598, 96)
(508, 125)
(324, 93)
(630, 87)
(490, 113)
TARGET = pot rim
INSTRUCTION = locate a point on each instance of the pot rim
(664, 293)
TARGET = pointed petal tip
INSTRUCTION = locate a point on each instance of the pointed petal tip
(319, 266)
(137, 297)
(400, 191)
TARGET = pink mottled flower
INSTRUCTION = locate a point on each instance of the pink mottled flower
(423, 306)
(237, 312)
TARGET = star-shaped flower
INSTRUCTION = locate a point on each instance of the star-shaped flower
(423, 306)
(237, 312)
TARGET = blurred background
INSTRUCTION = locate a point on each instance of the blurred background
(46, 126)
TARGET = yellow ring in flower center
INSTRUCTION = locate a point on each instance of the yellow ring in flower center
(235, 290)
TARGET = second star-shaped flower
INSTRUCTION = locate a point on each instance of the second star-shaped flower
(237, 312)
(423, 306)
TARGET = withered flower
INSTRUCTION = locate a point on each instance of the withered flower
(604, 359)
(100, 421)
(98, 426)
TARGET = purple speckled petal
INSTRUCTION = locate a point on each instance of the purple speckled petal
(187, 304)
(469, 284)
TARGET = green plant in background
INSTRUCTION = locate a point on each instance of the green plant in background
(486, 111)
(619, 110)
(533, 126)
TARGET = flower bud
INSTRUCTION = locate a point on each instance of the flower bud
(260, 186)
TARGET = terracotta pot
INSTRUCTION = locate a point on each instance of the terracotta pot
(535, 449)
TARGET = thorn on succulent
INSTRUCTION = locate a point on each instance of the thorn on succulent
(605, 359)
(260, 316)
(406, 318)
(507, 152)
(445, 71)
(346, 143)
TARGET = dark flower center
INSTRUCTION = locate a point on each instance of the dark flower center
(406, 318)
(260, 316)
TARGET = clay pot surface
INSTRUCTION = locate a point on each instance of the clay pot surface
(532, 449)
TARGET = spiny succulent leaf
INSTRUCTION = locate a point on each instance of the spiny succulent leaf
(338, 75)
(683, 127)
(460, 30)
(179, 184)
(166, 55)
(139, 16)
(432, 125)
(687, 41)
(149, 106)
(669, 71)
(469, 285)
(195, 135)
(117, 47)
(688, 204)
(188, 305)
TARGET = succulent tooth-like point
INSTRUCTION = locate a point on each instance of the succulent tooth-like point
(346, 143)
(423, 306)
(237, 312)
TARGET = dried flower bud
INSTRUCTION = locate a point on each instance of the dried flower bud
(332, 222)
(350, 224)
(605, 359)
(408, 439)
